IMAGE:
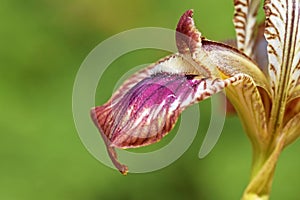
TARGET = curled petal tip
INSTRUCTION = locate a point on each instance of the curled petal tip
(187, 16)
(95, 115)
(187, 36)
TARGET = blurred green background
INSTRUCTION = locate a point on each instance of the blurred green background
(43, 44)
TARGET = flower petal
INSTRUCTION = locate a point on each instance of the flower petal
(146, 107)
(295, 94)
(260, 54)
(292, 109)
(245, 24)
(291, 129)
(282, 35)
(144, 112)
(212, 57)
(282, 25)
(250, 96)
(295, 79)
(252, 105)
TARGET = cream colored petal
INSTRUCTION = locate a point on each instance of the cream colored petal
(295, 81)
(282, 33)
(296, 61)
(213, 57)
(245, 12)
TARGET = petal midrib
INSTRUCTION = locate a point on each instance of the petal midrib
(282, 89)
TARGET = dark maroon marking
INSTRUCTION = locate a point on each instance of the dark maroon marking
(187, 36)
(190, 76)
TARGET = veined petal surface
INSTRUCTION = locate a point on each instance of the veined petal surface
(245, 23)
(144, 112)
(282, 35)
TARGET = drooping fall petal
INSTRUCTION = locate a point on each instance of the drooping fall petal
(148, 110)
(141, 113)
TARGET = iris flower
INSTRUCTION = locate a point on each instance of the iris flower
(259, 74)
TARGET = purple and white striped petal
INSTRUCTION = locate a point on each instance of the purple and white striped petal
(146, 111)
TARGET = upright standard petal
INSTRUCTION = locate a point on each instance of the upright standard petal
(245, 24)
(295, 81)
(282, 35)
(260, 53)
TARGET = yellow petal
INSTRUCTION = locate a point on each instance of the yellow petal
(292, 129)
(248, 103)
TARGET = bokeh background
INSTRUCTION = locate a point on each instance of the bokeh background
(42, 46)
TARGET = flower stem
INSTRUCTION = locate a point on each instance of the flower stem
(263, 169)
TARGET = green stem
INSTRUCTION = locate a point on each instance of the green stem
(258, 160)
(263, 169)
